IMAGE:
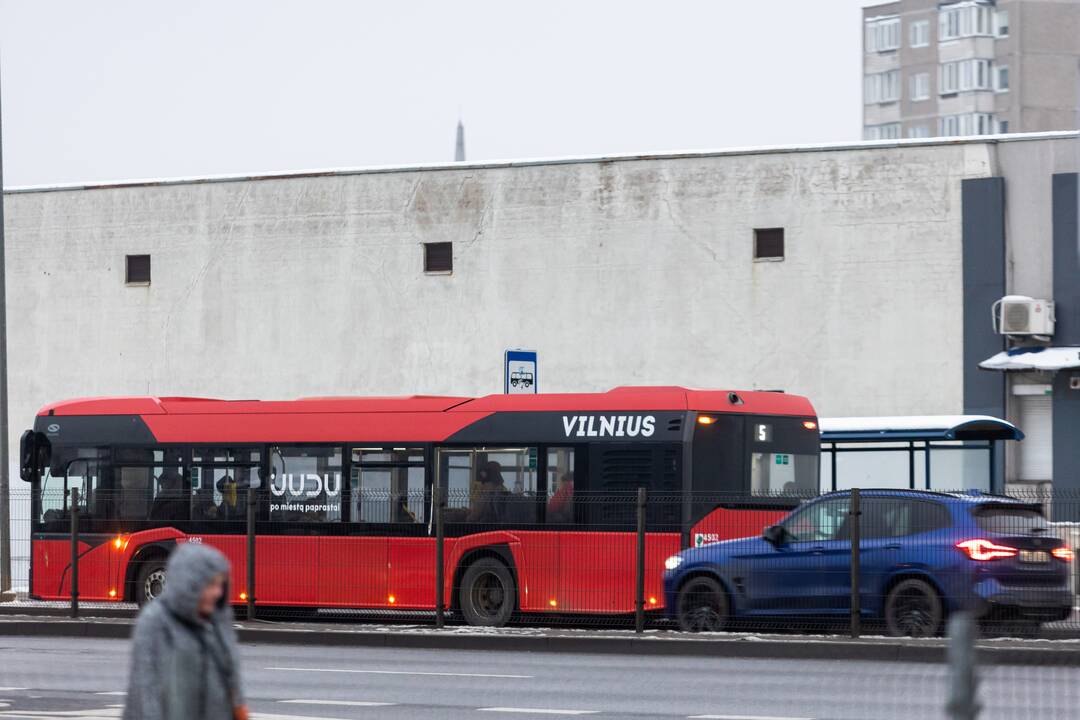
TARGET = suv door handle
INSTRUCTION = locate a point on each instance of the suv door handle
(818, 550)
(893, 546)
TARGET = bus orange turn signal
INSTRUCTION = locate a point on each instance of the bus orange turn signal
(112, 593)
(809, 424)
(243, 596)
(706, 419)
(392, 599)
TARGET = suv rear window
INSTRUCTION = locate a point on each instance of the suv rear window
(1022, 520)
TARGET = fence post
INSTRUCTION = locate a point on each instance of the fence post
(440, 559)
(962, 703)
(856, 535)
(639, 592)
(252, 510)
(74, 552)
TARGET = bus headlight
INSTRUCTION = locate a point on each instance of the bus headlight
(673, 562)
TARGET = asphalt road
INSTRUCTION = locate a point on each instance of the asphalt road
(68, 678)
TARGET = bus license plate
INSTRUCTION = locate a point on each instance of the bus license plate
(1034, 556)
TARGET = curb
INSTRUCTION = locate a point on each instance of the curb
(65, 612)
(883, 650)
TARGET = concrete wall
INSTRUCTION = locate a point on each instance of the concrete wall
(1047, 77)
(617, 272)
(1029, 166)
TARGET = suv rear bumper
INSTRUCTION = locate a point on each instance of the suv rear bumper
(1037, 603)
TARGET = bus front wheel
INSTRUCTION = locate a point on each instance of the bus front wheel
(150, 582)
(487, 593)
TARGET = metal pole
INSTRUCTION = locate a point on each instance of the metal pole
(440, 557)
(252, 509)
(856, 608)
(963, 684)
(74, 552)
(5, 484)
(639, 593)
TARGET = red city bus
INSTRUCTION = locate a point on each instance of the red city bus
(343, 493)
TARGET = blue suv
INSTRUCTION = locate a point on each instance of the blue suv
(923, 555)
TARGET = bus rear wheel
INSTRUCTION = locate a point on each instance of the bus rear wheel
(150, 582)
(487, 593)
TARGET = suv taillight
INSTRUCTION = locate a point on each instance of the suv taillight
(986, 550)
(1062, 553)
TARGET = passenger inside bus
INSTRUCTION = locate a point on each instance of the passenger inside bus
(171, 502)
(560, 507)
(489, 505)
(229, 507)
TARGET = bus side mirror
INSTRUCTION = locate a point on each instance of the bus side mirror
(35, 453)
(27, 455)
(775, 534)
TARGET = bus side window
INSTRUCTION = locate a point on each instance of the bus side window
(388, 485)
(151, 487)
(305, 484)
(560, 486)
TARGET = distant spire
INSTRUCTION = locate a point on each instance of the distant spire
(459, 149)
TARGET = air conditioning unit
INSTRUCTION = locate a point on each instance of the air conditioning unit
(1021, 315)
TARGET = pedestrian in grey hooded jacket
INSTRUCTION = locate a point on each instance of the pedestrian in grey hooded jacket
(183, 660)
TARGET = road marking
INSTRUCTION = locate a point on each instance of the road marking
(400, 672)
(273, 716)
(743, 717)
(102, 714)
(345, 703)
(12, 689)
(538, 711)
(112, 692)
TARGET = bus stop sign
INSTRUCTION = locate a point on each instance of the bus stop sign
(519, 376)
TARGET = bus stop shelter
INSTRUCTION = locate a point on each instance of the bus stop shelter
(921, 452)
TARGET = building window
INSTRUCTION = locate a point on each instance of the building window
(967, 124)
(438, 257)
(1002, 19)
(137, 270)
(882, 34)
(949, 78)
(919, 34)
(1001, 78)
(920, 86)
(1003, 127)
(881, 87)
(964, 76)
(769, 244)
(918, 131)
(888, 131)
(966, 19)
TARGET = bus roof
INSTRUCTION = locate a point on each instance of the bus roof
(619, 399)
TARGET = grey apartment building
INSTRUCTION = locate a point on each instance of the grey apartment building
(975, 67)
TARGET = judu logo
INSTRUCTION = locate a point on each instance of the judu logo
(609, 425)
(306, 484)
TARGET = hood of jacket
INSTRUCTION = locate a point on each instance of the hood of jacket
(190, 569)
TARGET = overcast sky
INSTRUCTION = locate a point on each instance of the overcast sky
(119, 89)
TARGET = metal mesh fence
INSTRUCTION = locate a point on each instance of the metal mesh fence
(776, 568)
(706, 562)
